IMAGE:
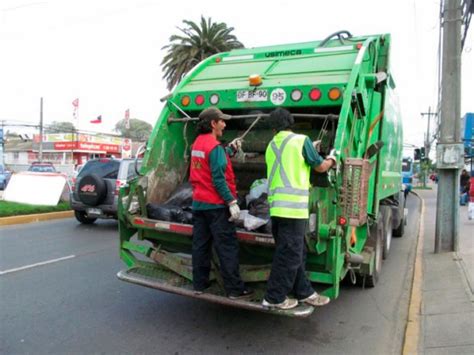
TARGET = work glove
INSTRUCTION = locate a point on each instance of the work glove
(317, 145)
(236, 144)
(332, 156)
(234, 210)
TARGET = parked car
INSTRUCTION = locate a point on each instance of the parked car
(95, 190)
(4, 177)
(42, 167)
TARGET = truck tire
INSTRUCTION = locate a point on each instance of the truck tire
(386, 214)
(377, 243)
(82, 217)
(400, 230)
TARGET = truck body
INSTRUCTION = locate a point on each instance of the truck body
(339, 90)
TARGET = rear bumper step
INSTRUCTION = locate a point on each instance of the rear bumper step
(164, 280)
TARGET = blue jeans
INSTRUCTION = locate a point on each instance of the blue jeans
(212, 227)
(288, 267)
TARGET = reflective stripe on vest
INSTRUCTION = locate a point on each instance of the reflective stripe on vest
(291, 199)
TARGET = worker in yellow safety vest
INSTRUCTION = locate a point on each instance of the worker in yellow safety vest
(289, 158)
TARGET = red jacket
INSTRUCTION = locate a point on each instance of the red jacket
(200, 174)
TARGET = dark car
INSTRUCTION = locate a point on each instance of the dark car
(95, 190)
(42, 167)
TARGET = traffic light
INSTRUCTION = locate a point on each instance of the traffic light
(422, 153)
(417, 154)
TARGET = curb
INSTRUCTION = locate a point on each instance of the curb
(30, 218)
(412, 331)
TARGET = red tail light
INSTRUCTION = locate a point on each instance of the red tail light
(118, 185)
(199, 100)
(342, 221)
(315, 94)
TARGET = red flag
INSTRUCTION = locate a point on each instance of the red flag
(127, 118)
(97, 120)
(75, 112)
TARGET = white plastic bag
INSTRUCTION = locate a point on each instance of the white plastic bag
(257, 188)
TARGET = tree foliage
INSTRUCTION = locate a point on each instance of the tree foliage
(139, 130)
(59, 127)
(194, 44)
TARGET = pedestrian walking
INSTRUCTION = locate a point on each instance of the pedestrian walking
(214, 207)
(289, 159)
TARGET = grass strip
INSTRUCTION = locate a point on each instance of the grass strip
(8, 209)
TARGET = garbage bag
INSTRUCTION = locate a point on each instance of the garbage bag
(259, 207)
(182, 196)
(165, 212)
(257, 188)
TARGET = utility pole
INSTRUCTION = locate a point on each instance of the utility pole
(449, 151)
(40, 155)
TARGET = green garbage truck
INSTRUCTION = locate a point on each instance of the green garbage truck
(341, 91)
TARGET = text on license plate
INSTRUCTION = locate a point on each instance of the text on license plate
(95, 211)
(252, 95)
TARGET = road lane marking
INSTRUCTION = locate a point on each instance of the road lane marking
(36, 265)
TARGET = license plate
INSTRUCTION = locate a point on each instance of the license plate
(252, 95)
(94, 211)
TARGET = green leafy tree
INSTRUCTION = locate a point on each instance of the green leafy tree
(139, 130)
(194, 44)
(59, 127)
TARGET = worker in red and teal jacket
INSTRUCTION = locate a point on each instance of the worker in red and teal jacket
(214, 206)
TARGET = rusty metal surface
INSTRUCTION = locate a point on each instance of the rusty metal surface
(184, 288)
(355, 186)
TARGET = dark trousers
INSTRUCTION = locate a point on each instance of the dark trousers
(288, 267)
(212, 227)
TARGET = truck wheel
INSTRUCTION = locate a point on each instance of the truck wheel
(377, 243)
(400, 230)
(386, 214)
(82, 217)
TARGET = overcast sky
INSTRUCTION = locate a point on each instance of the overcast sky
(108, 53)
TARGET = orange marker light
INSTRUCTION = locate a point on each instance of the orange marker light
(185, 100)
(334, 94)
(359, 45)
(218, 59)
(255, 80)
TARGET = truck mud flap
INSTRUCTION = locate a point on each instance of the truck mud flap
(164, 280)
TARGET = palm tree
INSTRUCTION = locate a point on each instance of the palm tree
(195, 44)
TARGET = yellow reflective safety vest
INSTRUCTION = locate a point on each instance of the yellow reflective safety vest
(288, 176)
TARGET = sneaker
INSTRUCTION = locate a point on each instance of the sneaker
(246, 293)
(201, 291)
(316, 300)
(288, 303)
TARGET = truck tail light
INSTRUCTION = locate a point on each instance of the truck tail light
(214, 99)
(334, 94)
(185, 100)
(296, 95)
(199, 100)
(342, 221)
(315, 94)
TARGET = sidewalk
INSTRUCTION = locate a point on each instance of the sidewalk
(447, 309)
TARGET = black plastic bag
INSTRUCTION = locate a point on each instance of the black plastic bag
(182, 196)
(260, 207)
(167, 212)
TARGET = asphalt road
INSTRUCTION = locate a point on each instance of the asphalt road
(75, 304)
